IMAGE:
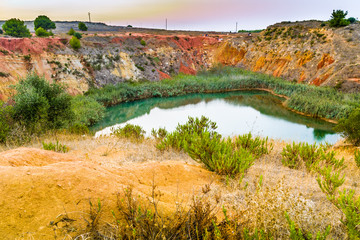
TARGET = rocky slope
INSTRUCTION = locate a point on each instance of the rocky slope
(303, 52)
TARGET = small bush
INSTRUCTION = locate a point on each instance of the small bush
(82, 26)
(142, 42)
(86, 110)
(75, 43)
(357, 157)
(338, 19)
(352, 20)
(350, 127)
(40, 105)
(77, 35)
(71, 32)
(40, 32)
(159, 134)
(350, 206)
(257, 146)
(56, 147)
(133, 132)
(1, 31)
(5, 121)
(199, 139)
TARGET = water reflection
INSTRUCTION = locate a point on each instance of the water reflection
(234, 112)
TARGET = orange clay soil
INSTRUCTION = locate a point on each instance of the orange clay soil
(37, 185)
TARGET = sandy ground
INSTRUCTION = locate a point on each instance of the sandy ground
(38, 186)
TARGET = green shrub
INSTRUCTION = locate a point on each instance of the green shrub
(257, 146)
(338, 19)
(133, 132)
(352, 20)
(86, 110)
(1, 31)
(71, 32)
(199, 139)
(44, 22)
(56, 147)
(75, 43)
(40, 105)
(350, 206)
(299, 234)
(329, 181)
(77, 35)
(142, 42)
(40, 32)
(82, 26)
(5, 121)
(16, 28)
(350, 127)
(159, 134)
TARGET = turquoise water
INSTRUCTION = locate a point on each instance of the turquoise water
(234, 112)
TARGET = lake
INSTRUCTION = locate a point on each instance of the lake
(234, 112)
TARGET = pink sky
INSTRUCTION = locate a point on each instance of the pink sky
(219, 15)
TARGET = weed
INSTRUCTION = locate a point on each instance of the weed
(56, 147)
(357, 157)
(133, 132)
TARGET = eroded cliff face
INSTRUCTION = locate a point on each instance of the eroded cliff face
(303, 52)
(300, 52)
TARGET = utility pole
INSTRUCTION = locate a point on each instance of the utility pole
(89, 17)
(165, 23)
(236, 28)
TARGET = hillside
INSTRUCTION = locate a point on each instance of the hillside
(303, 52)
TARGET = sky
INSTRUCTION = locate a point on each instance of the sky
(205, 15)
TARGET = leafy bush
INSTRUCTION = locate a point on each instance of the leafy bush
(86, 110)
(1, 31)
(40, 105)
(75, 43)
(40, 32)
(82, 26)
(16, 28)
(77, 35)
(296, 155)
(338, 19)
(257, 146)
(56, 147)
(350, 127)
(71, 32)
(159, 134)
(133, 132)
(44, 22)
(199, 139)
(5, 121)
(142, 42)
(350, 206)
(352, 20)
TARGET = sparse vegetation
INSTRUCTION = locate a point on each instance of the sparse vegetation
(56, 147)
(142, 42)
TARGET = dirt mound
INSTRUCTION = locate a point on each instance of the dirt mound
(37, 185)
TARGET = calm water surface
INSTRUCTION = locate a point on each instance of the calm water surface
(235, 113)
